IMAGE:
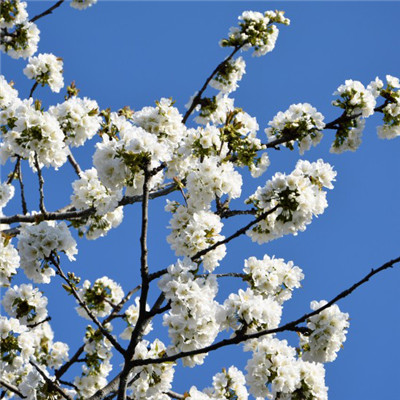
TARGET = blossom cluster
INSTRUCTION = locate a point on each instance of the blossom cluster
(275, 372)
(151, 381)
(229, 75)
(391, 111)
(100, 297)
(20, 37)
(272, 277)
(97, 364)
(191, 321)
(9, 261)
(357, 103)
(46, 69)
(256, 30)
(228, 384)
(328, 332)
(36, 243)
(290, 201)
(301, 123)
(194, 231)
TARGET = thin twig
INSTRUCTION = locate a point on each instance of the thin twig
(86, 308)
(14, 174)
(74, 164)
(175, 395)
(197, 98)
(290, 326)
(234, 235)
(11, 388)
(35, 85)
(144, 273)
(64, 368)
(74, 214)
(50, 382)
(22, 188)
(47, 12)
(41, 184)
(39, 323)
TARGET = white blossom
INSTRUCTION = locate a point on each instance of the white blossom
(328, 332)
(37, 242)
(46, 69)
(9, 262)
(25, 303)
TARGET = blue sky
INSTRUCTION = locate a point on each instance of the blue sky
(133, 53)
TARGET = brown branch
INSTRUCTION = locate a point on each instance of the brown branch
(11, 388)
(290, 326)
(35, 85)
(175, 395)
(74, 214)
(234, 235)
(144, 273)
(104, 331)
(47, 12)
(74, 164)
(50, 382)
(39, 323)
(64, 368)
(197, 98)
(41, 184)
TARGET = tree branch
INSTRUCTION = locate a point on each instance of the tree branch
(144, 273)
(234, 235)
(197, 98)
(290, 326)
(86, 308)
(11, 388)
(175, 395)
(47, 12)
(74, 164)
(41, 184)
(74, 214)
(50, 382)
(35, 85)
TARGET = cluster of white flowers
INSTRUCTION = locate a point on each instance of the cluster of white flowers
(151, 381)
(272, 277)
(297, 197)
(97, 363)
(250, 312)
(328, 332)
(33, 132)
(274, 372)
(23, 41)
(256, 30)
(46, 69)
(228, 384)
(131, 316)
(210, 178)
(13, 12)
(37, 242)
(9, 261)
(82, 4)
(192, 319)
(214, 110)
(121, 162)
(25, 303)
(90, 192)
(301, 123)
(100, 297)
(229, 75)
(164, 121)
(6, 194)
(391, 112)
(78, 118)
(196, 231)
(357, 103)
(8, 94)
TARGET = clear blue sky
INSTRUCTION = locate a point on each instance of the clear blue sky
(132, 53)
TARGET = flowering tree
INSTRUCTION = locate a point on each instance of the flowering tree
(198, 159)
